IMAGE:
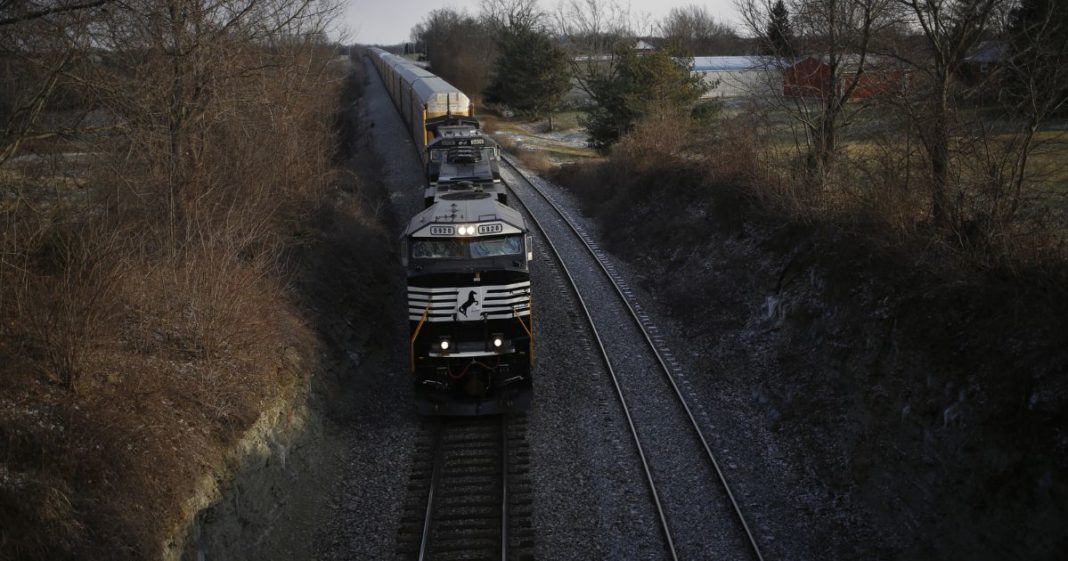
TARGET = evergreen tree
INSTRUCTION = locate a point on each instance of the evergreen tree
(1038, 49)
(643, 86)
(530, 75)
(780, 35)
(1039, 29)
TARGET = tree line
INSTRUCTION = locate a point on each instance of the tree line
(960, 63)
(526, 58)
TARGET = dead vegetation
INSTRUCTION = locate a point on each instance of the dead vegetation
(889, 350)
(159, 164)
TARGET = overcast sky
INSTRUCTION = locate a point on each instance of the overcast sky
(389, 21)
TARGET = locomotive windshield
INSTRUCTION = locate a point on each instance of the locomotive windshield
(496, 247)
(467, 248)
(439, 249)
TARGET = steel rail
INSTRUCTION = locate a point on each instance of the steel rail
(615, 382)
(648, 339)
(504, 488)
(435, 478)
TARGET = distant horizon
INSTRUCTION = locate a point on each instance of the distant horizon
(374, 22)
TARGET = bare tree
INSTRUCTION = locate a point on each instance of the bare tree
(188, 61)
(175, 90)
(515, 15)
(950, 29)
(593, 27)
(40, 45)
(837, 36)
(18, 12)
(591, 32)
(1035, 81)
(693, 29)
(987, 157)
(460, 47)
(157, 155)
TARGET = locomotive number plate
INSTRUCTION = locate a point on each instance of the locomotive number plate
(442, 230)
(490, 228)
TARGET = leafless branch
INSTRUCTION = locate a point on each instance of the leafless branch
(54, 10)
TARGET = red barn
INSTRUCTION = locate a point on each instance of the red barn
(811, 77)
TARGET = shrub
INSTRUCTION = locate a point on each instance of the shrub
(145, 300)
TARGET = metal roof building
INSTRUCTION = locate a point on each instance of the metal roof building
(739, 76)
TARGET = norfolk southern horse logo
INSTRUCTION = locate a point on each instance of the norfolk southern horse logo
(471, 308)
(470, 300)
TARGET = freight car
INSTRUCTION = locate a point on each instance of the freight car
(471, 334)
(423, 100)
(440, 119)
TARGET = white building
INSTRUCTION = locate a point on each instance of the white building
(739, 76)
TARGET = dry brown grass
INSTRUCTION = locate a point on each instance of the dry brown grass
(909, 309)
(881, 184)
(146, 313)
(740, 167)
(535, 161)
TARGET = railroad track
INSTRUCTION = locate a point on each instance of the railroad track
(689, 525)
(469, 492)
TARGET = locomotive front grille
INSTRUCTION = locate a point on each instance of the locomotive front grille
(469, 303)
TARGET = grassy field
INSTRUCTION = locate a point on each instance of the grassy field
(879, 150)
(564, 144)
(878, 155)
(1049, 161)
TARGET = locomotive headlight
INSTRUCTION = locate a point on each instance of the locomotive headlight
(498, 340)
(444, 344)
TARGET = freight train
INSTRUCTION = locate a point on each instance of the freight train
(467, 256)
(440, 119)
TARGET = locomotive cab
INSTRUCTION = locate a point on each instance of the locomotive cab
(469, 306)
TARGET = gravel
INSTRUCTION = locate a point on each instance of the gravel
(779, 497)
(590, 497)
(701, 522)
(379, 426)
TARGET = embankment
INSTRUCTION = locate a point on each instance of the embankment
(910, 401)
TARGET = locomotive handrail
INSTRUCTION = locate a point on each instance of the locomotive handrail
(530, 330)
(418, 328)
(426, 131)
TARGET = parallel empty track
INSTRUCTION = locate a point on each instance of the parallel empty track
(698, 513)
